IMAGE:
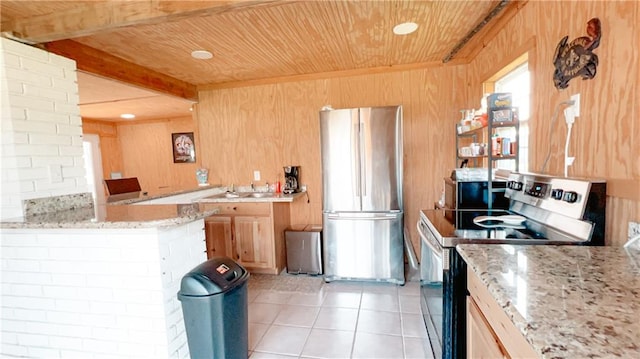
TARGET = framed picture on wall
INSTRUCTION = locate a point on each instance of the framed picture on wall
(184, 149)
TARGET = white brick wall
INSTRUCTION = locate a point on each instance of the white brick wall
(40, 119)
(86, 293)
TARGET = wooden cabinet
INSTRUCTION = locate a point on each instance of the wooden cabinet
(218, 236)
(253, 241)
(490, 332)
(482, 342)
(252, 233)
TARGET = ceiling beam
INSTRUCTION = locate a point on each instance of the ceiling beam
(106, 65)
(101, 16)
(486, 31)
(487, 34)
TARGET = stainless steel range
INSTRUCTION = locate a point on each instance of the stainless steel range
(542, 210)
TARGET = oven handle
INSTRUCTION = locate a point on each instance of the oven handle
(437, 251)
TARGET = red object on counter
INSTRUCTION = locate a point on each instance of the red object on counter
(277, 186)
(484, 119)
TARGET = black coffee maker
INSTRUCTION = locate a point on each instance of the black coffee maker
(291, 179)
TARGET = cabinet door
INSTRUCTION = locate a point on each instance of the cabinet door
(481, 340)
(253, 237)
(218, 236)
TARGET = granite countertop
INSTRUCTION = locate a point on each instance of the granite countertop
(115, 217)
(135, 197)
(79, 211)
(567, 301)
(243, 197)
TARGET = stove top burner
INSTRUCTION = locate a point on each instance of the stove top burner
(557, 210)
(456, 227)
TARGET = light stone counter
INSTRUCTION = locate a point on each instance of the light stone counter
(567, 301)
(115, 217)
(269, 197)
(137, 197)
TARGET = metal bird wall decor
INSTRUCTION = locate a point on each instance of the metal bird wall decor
(577, 58)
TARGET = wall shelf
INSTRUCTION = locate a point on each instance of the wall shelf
(490, 158)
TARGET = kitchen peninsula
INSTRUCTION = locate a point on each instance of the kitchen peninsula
(83, 281)
(560, 301)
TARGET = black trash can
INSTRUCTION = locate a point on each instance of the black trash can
(214, 306)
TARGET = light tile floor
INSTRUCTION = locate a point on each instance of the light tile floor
(303, 317)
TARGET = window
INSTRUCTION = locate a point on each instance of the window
(517, 83)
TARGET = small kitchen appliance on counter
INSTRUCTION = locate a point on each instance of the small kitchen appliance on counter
(291, 179)
(542, 210)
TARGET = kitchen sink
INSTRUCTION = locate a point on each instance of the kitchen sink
(232, 195)
(259, 194)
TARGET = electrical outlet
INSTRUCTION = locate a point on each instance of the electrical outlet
(256, 175)
(576, 104)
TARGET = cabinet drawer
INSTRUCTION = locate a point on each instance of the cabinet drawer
(251, 209)
(510, 337)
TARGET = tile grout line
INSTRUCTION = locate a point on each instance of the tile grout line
(311, 329)
(355, 330)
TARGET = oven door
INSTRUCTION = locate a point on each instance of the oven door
(432, 260)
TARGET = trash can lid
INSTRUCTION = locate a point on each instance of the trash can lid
(313, 228)
(217, 275)
(296, 228)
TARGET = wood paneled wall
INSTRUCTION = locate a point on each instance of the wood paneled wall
(148, 154)
(109, 145)
(143, 149)
(606, 137)
(267, 127)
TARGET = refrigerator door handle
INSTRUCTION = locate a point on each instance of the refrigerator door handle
(378, 217)
(363, 159)
(355, 163)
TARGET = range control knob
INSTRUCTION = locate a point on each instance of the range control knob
(570, 196)
(515, 185)
(557, 194)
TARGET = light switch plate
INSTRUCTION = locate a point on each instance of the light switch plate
(55, 173)
(256, 175)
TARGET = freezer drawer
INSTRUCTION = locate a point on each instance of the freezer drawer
(363, 246)
(304, 250)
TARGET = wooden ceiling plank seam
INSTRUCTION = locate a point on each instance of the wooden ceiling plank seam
(96, 17)
(327, 75)
(422, 46)
(338, 53)
(103, 64)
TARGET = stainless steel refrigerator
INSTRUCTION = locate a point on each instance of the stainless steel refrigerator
(362, 194)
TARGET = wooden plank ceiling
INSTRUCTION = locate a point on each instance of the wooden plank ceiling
(149, 43)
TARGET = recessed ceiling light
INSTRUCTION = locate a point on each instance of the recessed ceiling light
(405, 28)
(201, 54)
(128, 116)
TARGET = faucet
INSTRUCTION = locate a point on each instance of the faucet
(252, 187)
(267, 186)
